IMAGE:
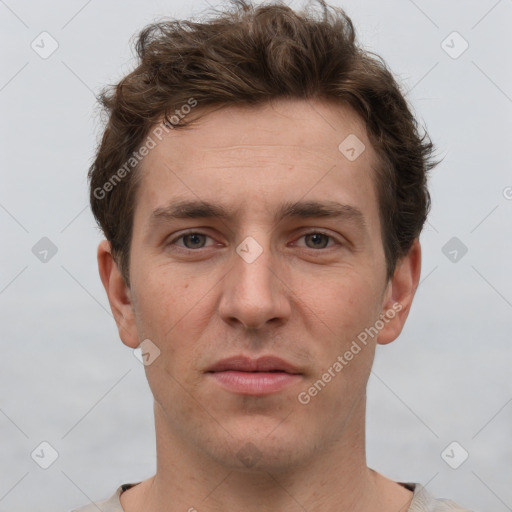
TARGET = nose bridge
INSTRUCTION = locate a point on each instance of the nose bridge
(253, 295)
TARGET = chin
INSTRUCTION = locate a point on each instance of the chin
(264, 446)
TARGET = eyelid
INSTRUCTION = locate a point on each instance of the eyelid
(183, 234)
(302, 234)
(320, 231)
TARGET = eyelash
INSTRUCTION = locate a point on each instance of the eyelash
(314, 232)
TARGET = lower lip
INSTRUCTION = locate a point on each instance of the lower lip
(254, 383)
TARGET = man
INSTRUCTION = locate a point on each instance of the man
(261, 184)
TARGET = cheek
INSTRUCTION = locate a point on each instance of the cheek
(174, 314)
(162, 298)
(343, 303)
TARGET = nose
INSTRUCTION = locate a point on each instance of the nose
(254, 290)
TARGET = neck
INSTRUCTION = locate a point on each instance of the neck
(333, 478)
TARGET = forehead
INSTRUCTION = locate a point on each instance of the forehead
(255, 154)
(305, 125)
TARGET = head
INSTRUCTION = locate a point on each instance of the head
(294, 157)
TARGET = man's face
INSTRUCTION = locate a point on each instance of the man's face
(255, 283)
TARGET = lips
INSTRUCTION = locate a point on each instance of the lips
(246, 364)
(242, 375)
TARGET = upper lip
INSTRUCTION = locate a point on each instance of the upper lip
(246, 364)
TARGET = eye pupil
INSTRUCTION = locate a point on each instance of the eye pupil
(195, 238)
(317, 239)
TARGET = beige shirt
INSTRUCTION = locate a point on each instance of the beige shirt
(422, 501)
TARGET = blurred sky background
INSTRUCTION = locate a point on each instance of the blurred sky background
(66, 378)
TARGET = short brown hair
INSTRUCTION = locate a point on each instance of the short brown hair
(252, 55)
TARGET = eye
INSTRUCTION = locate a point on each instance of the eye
(191, 240)
(196, 240)
(317, 240)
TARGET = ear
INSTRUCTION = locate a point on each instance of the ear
(399, 294)
(118, 294)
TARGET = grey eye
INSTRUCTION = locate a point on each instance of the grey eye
(317, 240)
(197, 240)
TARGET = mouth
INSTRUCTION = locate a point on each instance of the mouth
(248, 376)
(267, 364)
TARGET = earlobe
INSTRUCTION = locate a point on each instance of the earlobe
(400, 294)
(119, 295)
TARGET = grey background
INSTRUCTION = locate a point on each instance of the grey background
(66, 378)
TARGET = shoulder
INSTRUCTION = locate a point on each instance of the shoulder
(423, 501)
(112, 504)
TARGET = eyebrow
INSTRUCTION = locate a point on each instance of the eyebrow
(197, 209)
